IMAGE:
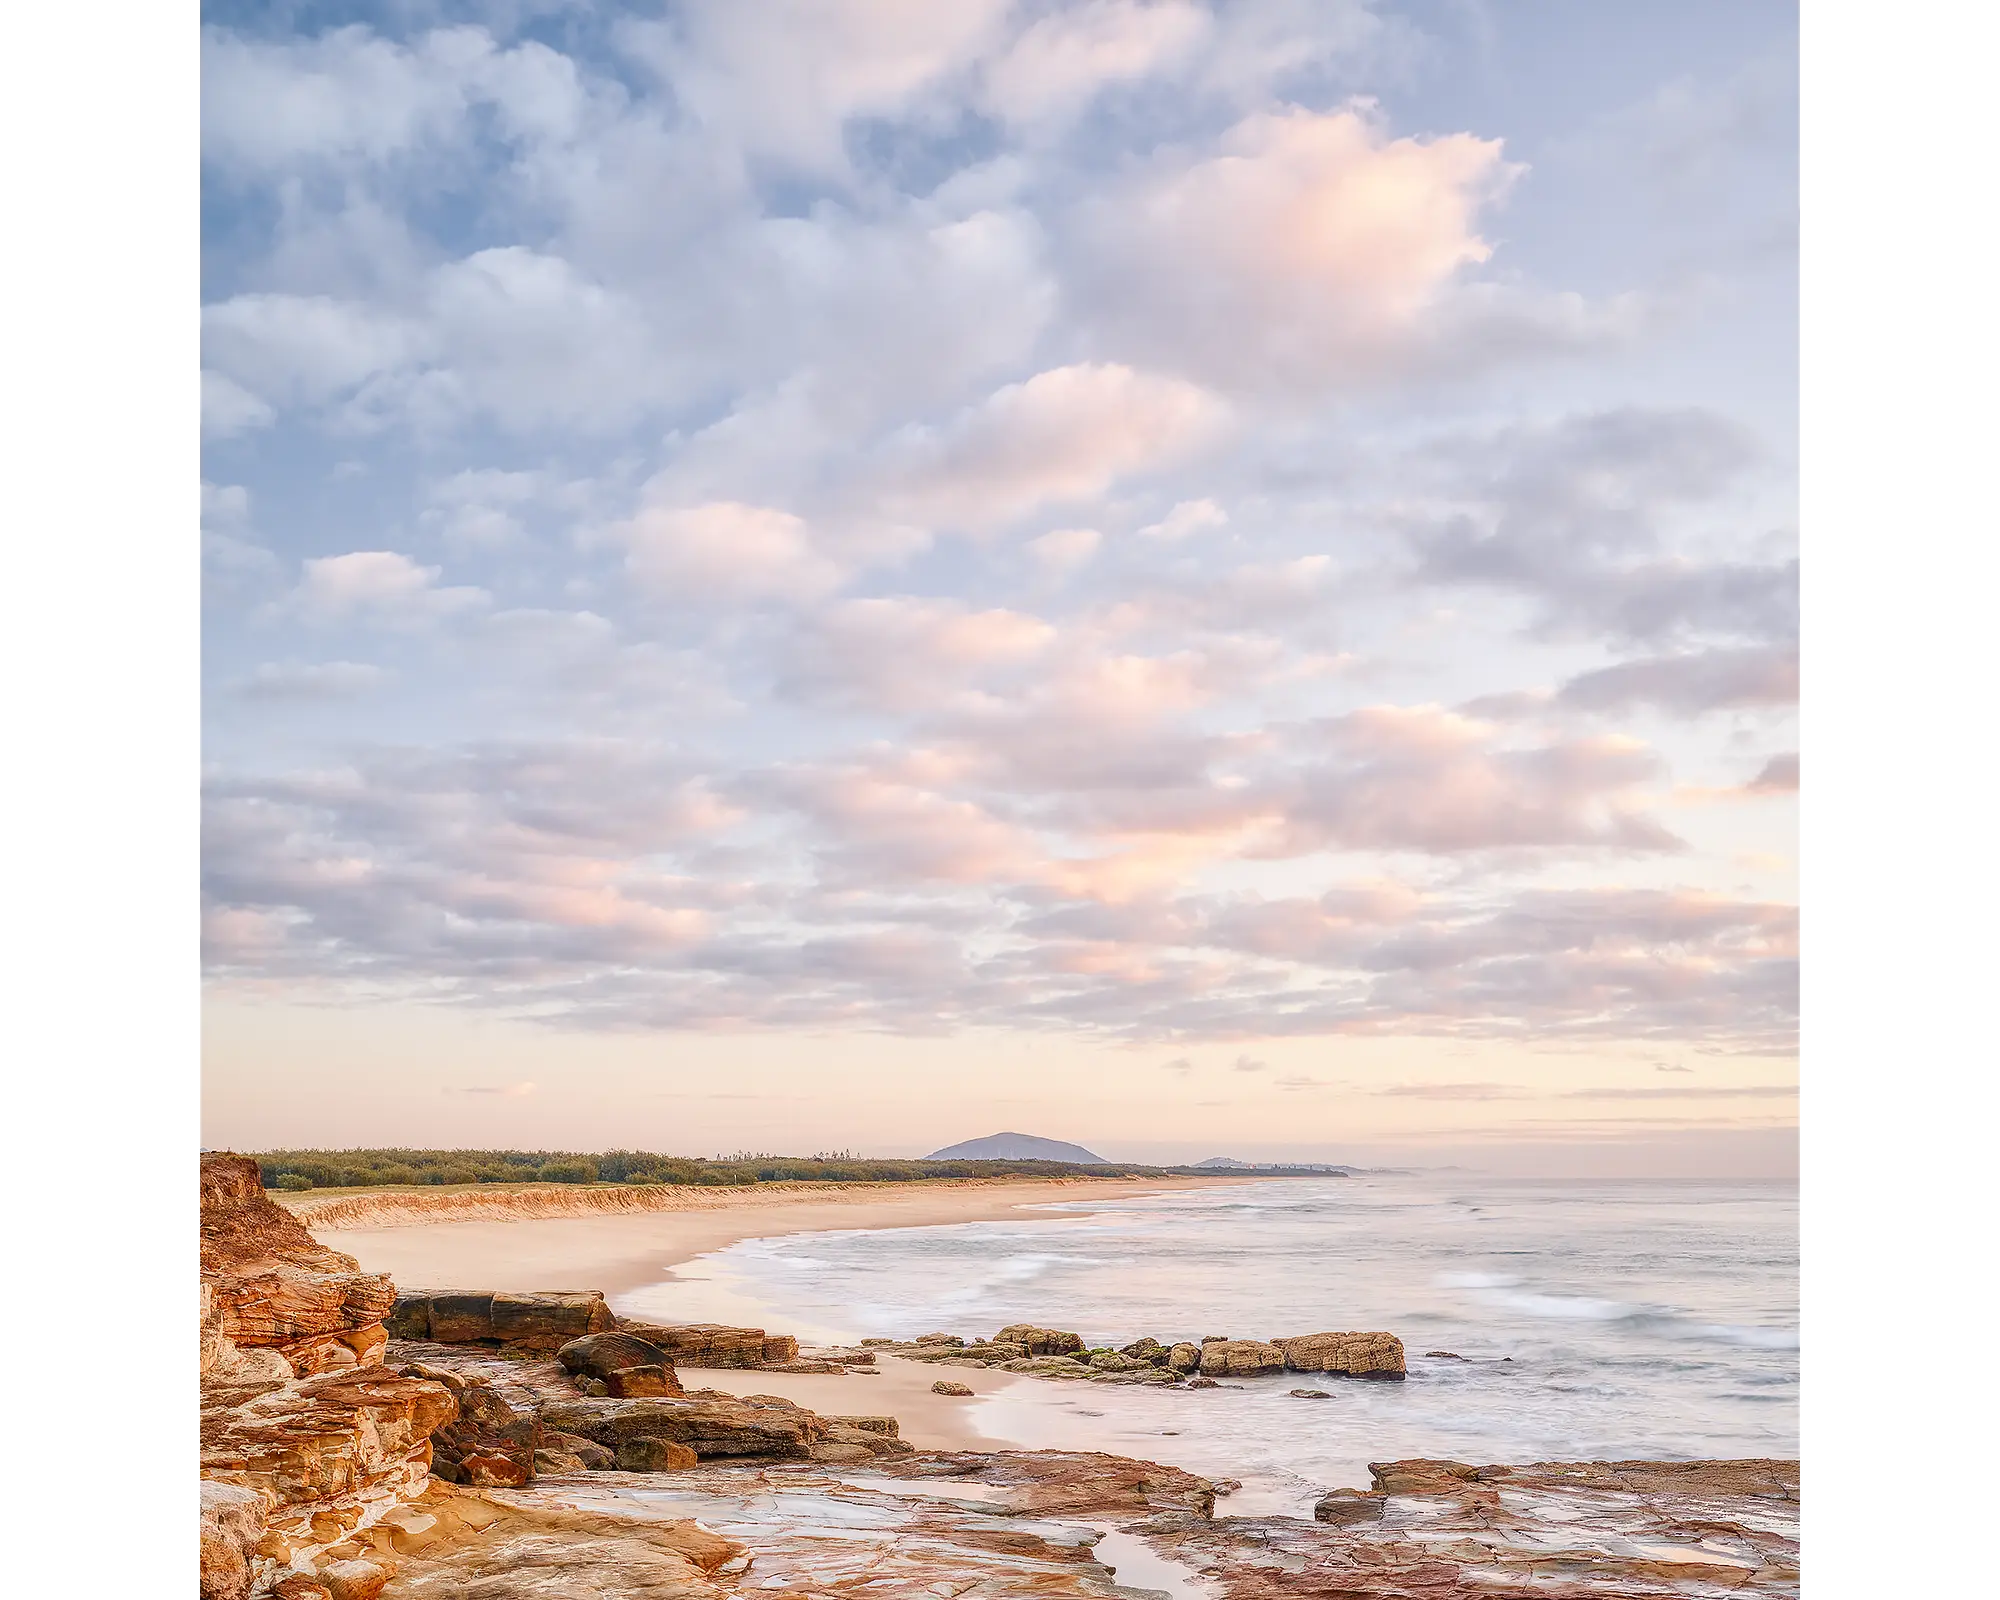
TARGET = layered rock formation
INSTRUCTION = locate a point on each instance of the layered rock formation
(539, 1321)
(1040, 1352)
(297, 1413)
(1352, 1355)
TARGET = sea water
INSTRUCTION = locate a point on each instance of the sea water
(1596, 1320)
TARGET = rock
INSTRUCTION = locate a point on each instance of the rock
(1310, 1394)
(493, 1441)
(1240, 1358)
(1347, 1507)
(870, 1344)
(883, 1425)
(642, 1454)
(232, 1522)
(1228, 1485)
(946, 1386)
(355, 1580)
(834, 1451)
(1149, 1350)
(558, 1461)
(628, 1366)
(1215, 1338)
(1049, 1367)
(1184, 1357)
(711, 1344)
(300, 1587)
(270, 1284)
(711, 1427)
(1203, 1383)
(1443, 1355)
(1354, 1355)
(539, 1321)
(326, 1436)
(593, 1455)
(940, 1338)
(876, 1444)
(1112, 1361)
(1040, 1341)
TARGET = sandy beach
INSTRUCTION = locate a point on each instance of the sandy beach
(617, 1253)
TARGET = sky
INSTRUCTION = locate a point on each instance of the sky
(1198, 578)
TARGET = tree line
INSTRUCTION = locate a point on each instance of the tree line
(370, 1169)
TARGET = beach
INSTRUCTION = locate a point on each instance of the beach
(620, 1252)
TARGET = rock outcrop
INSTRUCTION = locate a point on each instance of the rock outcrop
(710, 1425)
(709, 1344)
(1352, 1355)
(297, 1411)
(268, 1285)
(538, 1321)
(1040, 1341)
(1240, 1358)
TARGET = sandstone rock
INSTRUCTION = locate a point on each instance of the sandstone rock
(1443, 1355)
(1184, 1357)
(1240, 1358)
(939, 1338)
(709, 1344)
(593, 1455)
(945, 1386)
(643, 1454)
(493, 1440)
(711, 1427)
(1148, 1350)
(1112, 1361)
(1356, 1355)
(628, 1366)
(1310, 1394)
(541, 1321)
(326, 1436)
(300, 1587)
(549, 1462)
(1347, 1507)
(355, 1580)
(882, 1425)
(270, 1282)
(834, 1451)
(1203, 1383)
(1040, 1341)
(232, 1523)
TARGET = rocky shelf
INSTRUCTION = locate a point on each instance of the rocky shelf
(450, 1444)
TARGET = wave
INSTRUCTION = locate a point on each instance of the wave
(1501, 1290)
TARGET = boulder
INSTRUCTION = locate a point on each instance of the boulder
(711, 1426)
(711, 1344)
(1310, 1394)
(940, 1338)
(538, 1321)
(876, 1444)
(1203, 1383)
(883, 1425)
(1353, 1355)
(1184, 1357)
(1148, 1350)
(1040, 1341)
(629, 1367)
(493, 1441)
(1112, 1361)
(646, 1454)
(1049, 1367)
(300, 1587)
(355, 1580)
(594, 1456)
(1240, 1358)
(945, 1386)
(232, 1522)
(1346, 1507)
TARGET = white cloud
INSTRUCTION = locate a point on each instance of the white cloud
(1062, 551)
(1186, 519)
(379, 586)
(1063, 59)
(228, 409)
(726, 551)
(315, 680)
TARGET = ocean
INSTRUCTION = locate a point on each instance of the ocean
(1599, 1320)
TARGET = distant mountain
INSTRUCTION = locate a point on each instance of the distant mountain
(1222, 1161)
(1015, 1147)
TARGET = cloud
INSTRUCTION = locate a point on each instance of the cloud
(379, 586)
(1779, 775)
(1245, 1064)
(1062, 436)
(902, 651)
(1454, 1091)
(1186, 519)
(1179, 1064)
(1734, 1091)
(1308, 250)
(1061, 61)
(726, 551)
(511, 1091)
(314, 680)
(229, 409)
(1062, 551)
(1690, 684)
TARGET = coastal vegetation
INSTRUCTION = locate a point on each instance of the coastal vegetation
(298, 1170)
